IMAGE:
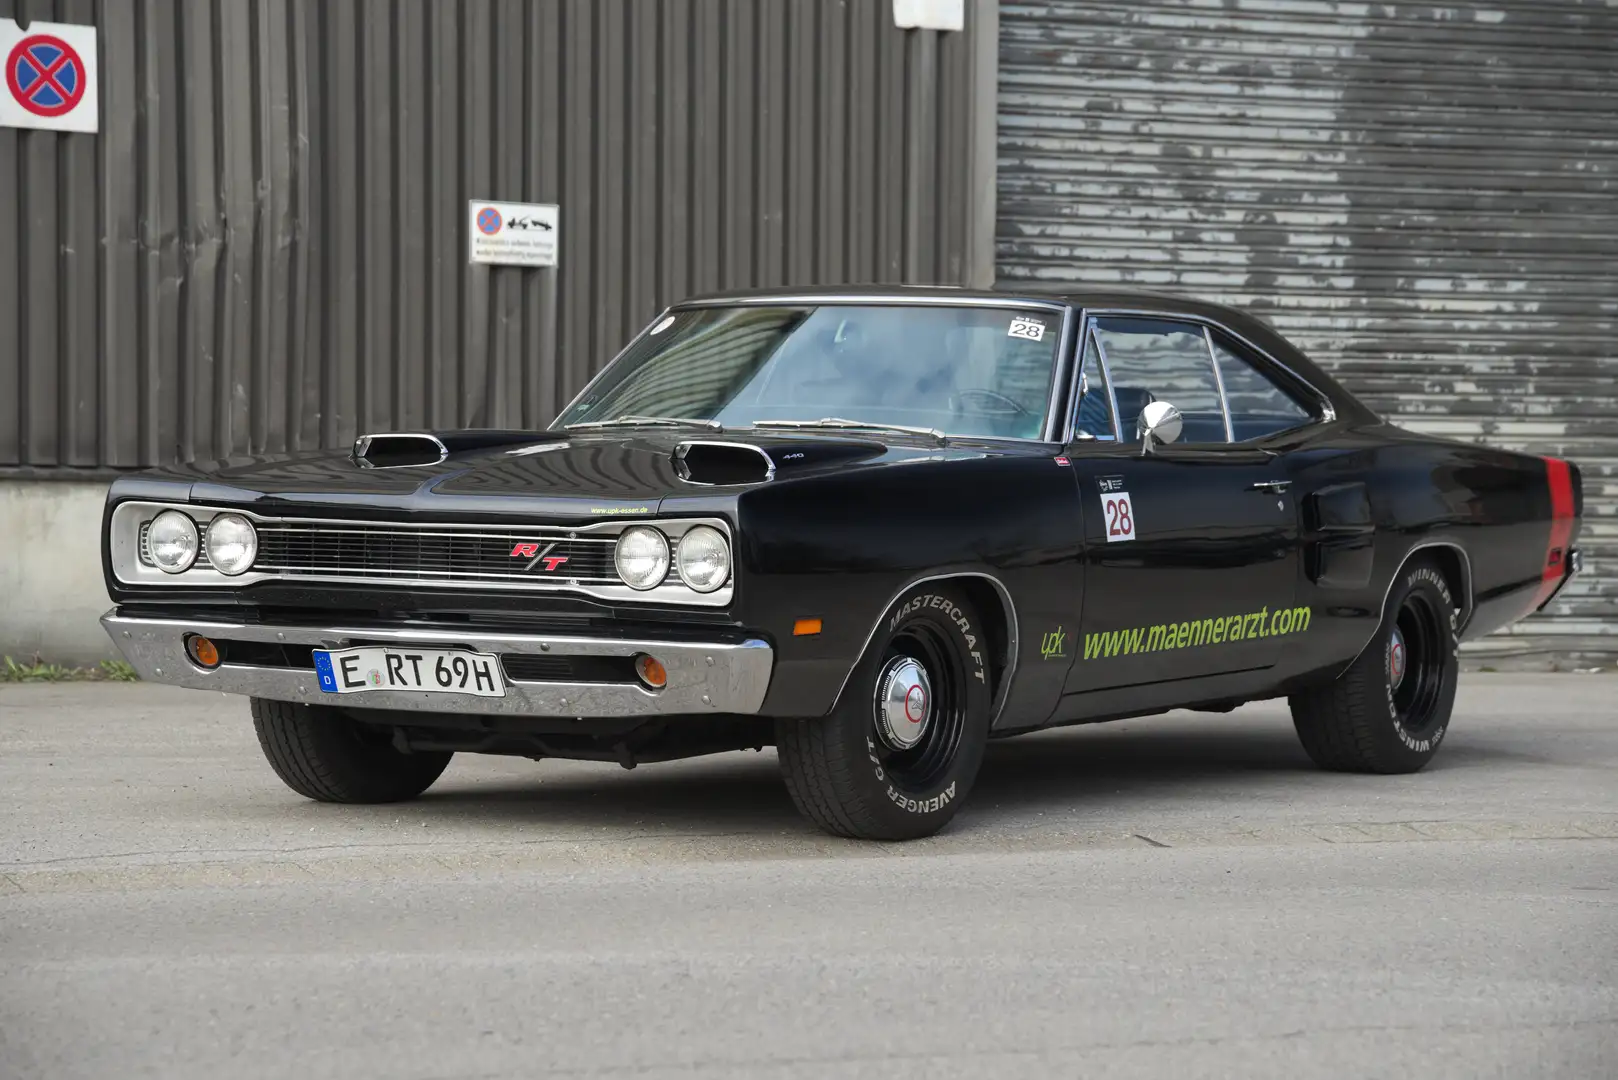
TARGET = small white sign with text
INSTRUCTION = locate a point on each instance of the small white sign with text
(513, 234)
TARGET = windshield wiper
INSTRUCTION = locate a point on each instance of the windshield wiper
(645, 421)
(858, 425)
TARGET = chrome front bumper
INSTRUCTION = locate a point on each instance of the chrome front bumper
(702, 677)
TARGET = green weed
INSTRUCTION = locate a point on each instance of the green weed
(37, 670)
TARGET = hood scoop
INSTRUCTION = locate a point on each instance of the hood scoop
(718, 462)
(399, 450)
(722, 463)
(396, 451)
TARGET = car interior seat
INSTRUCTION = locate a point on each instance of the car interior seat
(1131, 400)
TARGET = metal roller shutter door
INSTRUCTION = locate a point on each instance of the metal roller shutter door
(1424, 197)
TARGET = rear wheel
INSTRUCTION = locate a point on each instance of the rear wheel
(900, 751)
(323, 755)
(1389, 711)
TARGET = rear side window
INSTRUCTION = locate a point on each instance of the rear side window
(1162, 360)
(1258, 406)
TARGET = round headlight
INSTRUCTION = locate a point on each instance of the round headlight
(172, 542)
(642, 557)
(232, 544)
(703, 559)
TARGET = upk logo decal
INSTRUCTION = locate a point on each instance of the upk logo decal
(1053, 644)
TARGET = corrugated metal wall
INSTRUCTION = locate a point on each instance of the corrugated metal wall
(1423, 196)
(265, 246)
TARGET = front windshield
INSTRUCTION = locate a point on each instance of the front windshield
(974, 371)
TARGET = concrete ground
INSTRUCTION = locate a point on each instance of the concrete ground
(1181, 896)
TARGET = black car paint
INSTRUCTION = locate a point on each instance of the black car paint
(850, 520)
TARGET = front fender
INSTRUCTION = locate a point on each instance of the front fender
(843, 548)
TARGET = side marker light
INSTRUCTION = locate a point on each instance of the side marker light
(651, 671)
(202, 651)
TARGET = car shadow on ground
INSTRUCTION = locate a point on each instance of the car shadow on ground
(1049, 771)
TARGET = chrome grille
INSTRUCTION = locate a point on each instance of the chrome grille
(387, 551)
(428, 555)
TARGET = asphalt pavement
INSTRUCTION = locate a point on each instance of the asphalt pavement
(1182, 896)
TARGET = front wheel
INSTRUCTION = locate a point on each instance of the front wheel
(1389, 711)
(899, 753)
(323, 755)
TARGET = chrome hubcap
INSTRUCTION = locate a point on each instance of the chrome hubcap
(1397, 658)
(904, 703)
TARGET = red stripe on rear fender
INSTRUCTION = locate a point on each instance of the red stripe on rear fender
(1556, 554)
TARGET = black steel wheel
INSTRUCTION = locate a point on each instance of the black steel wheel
(902, 747)
(1418, 653)
(1389, 711)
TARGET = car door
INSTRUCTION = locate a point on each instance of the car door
(1191, 546)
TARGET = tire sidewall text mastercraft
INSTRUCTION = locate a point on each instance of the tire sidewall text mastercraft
(924, 809)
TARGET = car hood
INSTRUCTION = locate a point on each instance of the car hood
(573, 475)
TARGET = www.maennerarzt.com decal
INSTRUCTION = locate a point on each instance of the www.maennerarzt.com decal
(1189, 635)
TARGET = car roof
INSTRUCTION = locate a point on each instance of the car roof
(868, 292)
(1141, 300)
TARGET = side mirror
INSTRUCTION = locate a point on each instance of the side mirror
(1159, 423)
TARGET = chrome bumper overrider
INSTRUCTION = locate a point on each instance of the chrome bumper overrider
(702, 677)
(1573, 568)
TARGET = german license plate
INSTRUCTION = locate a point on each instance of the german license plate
(435, 671)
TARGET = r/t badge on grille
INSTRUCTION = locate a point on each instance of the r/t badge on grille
(535, 554)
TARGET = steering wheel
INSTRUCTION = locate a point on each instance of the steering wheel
(1016, 407)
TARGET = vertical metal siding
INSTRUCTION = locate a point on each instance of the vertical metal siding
(264, 248)
(1423, 196)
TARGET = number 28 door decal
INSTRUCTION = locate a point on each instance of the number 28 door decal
(1117, 514)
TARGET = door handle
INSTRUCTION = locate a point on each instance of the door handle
(1274, 487)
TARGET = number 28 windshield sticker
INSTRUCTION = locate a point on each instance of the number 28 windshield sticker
(1024, 327)
(1117, 514)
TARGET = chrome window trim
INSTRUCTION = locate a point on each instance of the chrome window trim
(1328, 411)
(1219, 381)
(1106, 373)
(1013, 637)
(128, 569)
(1059, 377)
(1073, 434)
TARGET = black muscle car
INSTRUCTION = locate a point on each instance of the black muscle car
(873, 528)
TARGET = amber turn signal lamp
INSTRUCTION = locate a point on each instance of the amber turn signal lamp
(204, 652)
(651, 671)
(805, 627)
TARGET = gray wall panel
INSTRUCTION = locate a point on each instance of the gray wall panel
(265, 246)
(1424, 196)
